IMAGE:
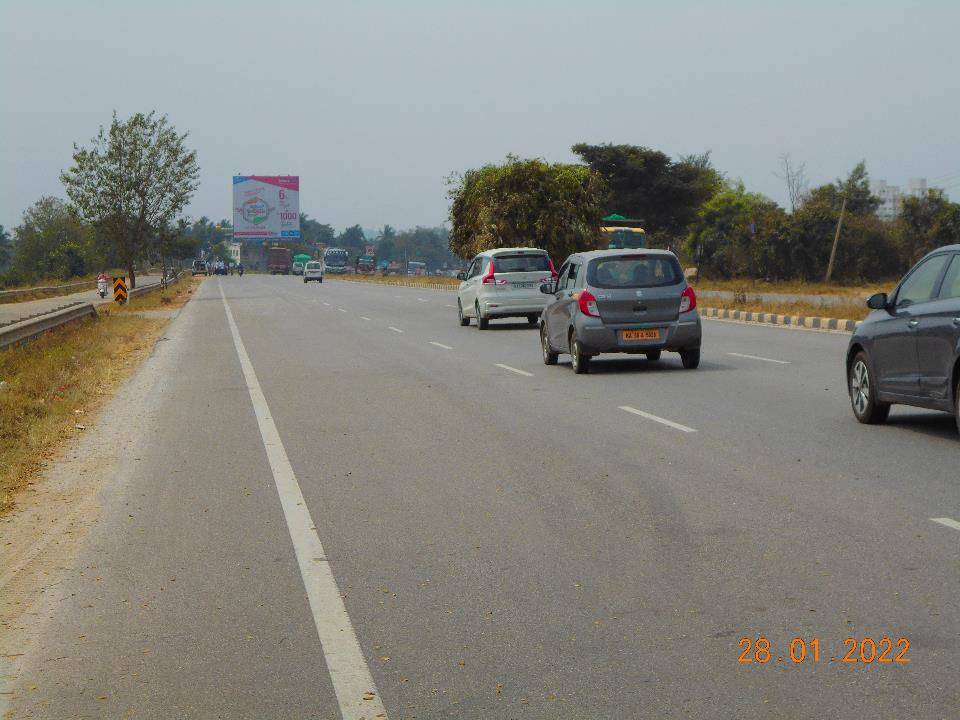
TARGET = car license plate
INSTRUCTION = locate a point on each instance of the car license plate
(523, 284)
(653, 334)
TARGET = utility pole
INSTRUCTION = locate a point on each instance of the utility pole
(836, 239)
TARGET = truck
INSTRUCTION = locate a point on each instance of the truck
(366, 264)
(279, 260)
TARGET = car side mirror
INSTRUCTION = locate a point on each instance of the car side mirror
(547, 288)
(878, 301)
(461, 276)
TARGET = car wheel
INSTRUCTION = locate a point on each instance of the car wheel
(863, 393)
(532, 319)
(581, 361)
(653, 355)
(549, 356)
(482, 322)
(690, 358)
(464, 321)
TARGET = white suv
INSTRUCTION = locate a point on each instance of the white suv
(504, 283)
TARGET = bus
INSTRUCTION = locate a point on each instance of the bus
(337, 261)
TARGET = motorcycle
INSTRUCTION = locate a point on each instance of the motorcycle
(240, 271)
(102, 288)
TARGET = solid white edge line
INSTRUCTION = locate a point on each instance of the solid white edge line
(655, 418)
(391, 327)
(948, 522)
(757, 357)
(515, 370)
(441, 345)
(353, 684)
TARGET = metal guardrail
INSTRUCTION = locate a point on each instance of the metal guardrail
(48, 288)
(20, 332)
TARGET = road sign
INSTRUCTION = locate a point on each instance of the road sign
(266, 206)
(120, 289)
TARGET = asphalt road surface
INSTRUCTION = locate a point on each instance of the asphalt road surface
(11, 312)
(348, 506)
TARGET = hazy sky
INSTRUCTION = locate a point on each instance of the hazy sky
(373, 104)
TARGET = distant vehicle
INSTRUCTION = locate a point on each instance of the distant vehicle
(366, 264)
(907, 351)
(199, 267)
(313, 270)
(625, 238)
(415, 267)
(615, 301)
(279, 261)
(504, 283)
(297, 268)
(336, 261)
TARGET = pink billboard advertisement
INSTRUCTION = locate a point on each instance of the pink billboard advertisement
(266, 206)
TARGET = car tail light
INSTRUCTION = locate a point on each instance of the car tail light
(588, 304)
(553, 270)
(489, 279)
(688, 300)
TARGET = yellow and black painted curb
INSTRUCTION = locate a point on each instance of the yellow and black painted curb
(797, 321)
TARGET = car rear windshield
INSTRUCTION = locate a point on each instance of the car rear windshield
(532, 262)
(313, 266)
(634, 271)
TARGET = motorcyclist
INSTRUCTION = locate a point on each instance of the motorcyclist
(240, 269)
(103, 276)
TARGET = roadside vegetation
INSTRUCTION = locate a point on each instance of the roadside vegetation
(52, 388)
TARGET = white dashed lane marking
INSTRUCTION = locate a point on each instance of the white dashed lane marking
(341, 309)
(363, 317)
(948, 522)
(514, 370)
(441, 345)
(757, 357)
(391, 327)
(655, 418)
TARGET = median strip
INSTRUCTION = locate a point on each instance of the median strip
(655, 418)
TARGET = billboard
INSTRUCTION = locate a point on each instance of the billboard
(266, 206)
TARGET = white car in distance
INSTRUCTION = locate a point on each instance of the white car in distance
(313, 270)
(504, 283)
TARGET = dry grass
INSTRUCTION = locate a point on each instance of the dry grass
(405, 280)
(841, 311)
(796, 287)
(173, 297)
(56, 384)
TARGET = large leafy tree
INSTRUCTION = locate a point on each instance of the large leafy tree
(52, 242)
(352, 239)
(134, 179)
(556, 207)
(313, 232)
(926, 223)
(647, 185)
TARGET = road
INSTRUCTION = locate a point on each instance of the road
(12, 312)
(345, 499)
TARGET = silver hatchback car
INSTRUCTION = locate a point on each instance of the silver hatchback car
(620, 301)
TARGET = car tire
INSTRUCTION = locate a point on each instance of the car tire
(482, 322)
(580, 360)
(532, 319)
(549, 356)
(863, 393)
(653, 355)
(690, 358)
(464, 320)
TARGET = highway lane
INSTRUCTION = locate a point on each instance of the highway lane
(515, 545)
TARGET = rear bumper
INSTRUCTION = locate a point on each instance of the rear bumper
(683, 334)
(512, 307)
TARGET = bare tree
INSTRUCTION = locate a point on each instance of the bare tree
(795, 176)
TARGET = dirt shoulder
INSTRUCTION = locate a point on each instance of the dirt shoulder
(53, 496)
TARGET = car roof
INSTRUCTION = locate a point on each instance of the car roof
(497, 251)
(592, 254)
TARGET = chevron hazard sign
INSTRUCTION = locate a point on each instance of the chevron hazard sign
(120, 289)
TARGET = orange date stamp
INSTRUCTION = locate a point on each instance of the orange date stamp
(799, 651)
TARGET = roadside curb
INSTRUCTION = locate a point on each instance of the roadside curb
(796, 321)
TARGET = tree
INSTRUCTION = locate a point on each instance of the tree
(352, 239)
(134, 179)
(647, 185)
(856, 189)
(6, 248)
(51, 242)
(556, 207)
(795, 177)
(926, 223)
(313, 232)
